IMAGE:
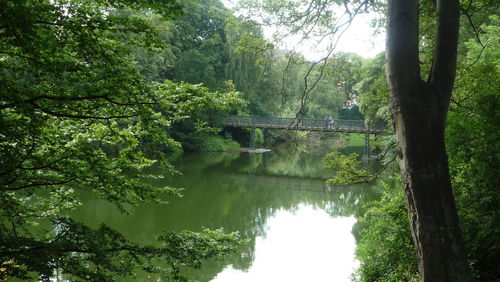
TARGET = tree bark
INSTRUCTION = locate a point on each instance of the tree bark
(419, 113)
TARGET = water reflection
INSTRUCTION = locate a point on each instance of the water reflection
(278, 201)
(305, 245)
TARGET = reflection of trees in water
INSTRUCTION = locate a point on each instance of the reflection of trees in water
(293, 163)
(196, 162)
(220, 192)
(244, 192)
(250, 210)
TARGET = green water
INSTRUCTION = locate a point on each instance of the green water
(299, 229)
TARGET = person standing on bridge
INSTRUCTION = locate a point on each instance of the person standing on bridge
(327, 121)
(330, 122)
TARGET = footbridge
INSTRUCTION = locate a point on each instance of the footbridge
(307, 124)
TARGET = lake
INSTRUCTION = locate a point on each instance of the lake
(298, 228)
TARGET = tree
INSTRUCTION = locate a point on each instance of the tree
(77, 117)
(374, 98)
(193, 67)
(471, 134)
(419, 110)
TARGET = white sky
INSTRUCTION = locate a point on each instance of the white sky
(359, 39)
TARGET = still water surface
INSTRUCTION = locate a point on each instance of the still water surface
(299, 229)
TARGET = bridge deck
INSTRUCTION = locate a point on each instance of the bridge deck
(309, 124)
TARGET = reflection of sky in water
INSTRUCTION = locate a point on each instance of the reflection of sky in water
(304, 245)
(299, 229)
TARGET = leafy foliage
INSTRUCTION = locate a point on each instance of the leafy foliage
(472, 139)
(374, 98)
(103, 254)
(76, 116)
(385, 247)
(346, 168)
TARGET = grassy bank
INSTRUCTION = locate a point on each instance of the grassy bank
(355, 139)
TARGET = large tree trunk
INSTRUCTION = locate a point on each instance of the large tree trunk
(419, 110)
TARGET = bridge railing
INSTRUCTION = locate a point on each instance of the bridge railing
(301, 123)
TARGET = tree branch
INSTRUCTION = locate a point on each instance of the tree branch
(343, 27)
(63, 115)
(24, 57)
(443, 69)
(382, 169)
(34, 184)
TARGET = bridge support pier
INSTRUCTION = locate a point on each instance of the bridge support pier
(252, 138)
(367, 145)
(266, 138)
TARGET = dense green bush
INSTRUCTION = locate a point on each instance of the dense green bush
(216, 144)
(385, 247)
(205, 142)
(473, 147)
